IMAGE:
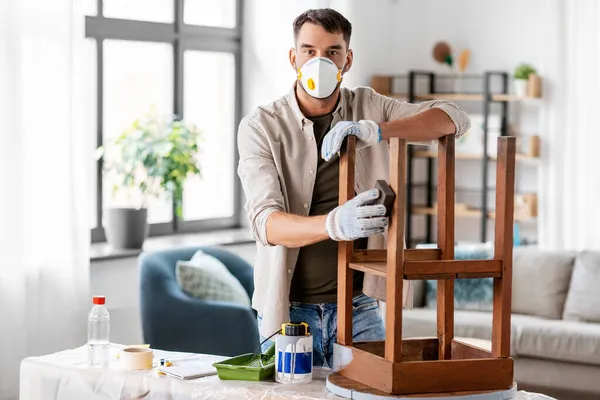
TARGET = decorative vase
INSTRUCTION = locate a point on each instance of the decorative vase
(520, 87)
(534, 86)
(126, 228)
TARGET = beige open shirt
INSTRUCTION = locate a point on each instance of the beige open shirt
(278, 160)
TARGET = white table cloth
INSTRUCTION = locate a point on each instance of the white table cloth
(66, 376)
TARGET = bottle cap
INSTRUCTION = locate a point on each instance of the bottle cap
(295, 329)
(99, 300)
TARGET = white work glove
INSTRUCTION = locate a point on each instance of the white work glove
(356, 219)
(364, 130)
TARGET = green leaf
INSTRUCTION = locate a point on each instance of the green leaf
(154, 152)
(523, 71)
(179, 211)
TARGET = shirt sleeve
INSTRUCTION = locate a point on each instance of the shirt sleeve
(259, 178)
(393, 109)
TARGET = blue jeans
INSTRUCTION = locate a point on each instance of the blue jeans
(367, 325)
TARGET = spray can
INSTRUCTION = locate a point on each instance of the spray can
(294, 353)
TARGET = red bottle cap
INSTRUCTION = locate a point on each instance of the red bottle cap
(99, 300)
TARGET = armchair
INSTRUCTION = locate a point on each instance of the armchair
(175, 321)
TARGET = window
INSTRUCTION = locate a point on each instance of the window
(210, 12)
(210, 96)
(178, 57)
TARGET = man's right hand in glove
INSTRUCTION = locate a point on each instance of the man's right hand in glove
(356, 218)
(350, 221)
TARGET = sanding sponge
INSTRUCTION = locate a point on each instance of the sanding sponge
(386, 196)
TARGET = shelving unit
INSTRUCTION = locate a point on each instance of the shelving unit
(487, 97)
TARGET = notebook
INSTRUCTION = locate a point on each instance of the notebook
(189, 370)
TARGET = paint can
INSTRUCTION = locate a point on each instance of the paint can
(294, 353)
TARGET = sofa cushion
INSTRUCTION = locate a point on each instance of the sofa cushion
(583, 299)
(560, 340)
(531, 336)
(420, 322)
(540, 281)
(207, 278)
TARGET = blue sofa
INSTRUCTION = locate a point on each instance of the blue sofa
(172, 320)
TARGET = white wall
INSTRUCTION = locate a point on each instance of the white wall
(499, 33)
(394, 36)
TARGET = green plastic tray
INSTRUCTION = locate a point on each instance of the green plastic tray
(247, 367)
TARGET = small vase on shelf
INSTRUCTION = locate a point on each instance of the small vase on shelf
(521, 79)
(520, 87)
(534, 86)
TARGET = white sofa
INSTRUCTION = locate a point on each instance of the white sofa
(555, 337)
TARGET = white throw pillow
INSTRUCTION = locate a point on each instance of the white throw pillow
(583, 301)
(541, 281)
(205, 277)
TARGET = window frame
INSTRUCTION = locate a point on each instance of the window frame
(182, 37)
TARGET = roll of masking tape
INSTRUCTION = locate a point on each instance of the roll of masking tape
(136, 358)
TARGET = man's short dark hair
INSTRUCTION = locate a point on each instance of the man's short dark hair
(331, 20)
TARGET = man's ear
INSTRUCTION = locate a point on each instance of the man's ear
(292, 56)
(349, 59)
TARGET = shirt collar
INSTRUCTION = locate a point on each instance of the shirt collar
(300, 117)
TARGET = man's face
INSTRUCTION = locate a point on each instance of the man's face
(314, 41)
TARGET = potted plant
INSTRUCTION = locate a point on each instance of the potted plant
(521, 77)
(153, 156)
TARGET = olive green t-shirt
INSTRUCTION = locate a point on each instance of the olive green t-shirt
(315, 276)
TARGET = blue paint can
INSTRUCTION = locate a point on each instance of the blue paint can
(294, 354)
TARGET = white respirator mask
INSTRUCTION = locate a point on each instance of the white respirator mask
(319, 77)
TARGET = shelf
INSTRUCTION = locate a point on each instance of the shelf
(436, 269)
(500, 97)
(468, 97)
(509, 97)
(465, 212)
(468, 156)
(459, 212)
(377, 268)
(457, 189)
(450, 96)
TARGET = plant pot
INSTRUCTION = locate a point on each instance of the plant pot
(126, 228)
(520, 87)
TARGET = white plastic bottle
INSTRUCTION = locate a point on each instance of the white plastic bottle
(98, 333)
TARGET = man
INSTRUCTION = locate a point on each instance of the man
(289, 169)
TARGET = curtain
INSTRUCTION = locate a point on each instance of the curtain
(44, 232)
(570, 185)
